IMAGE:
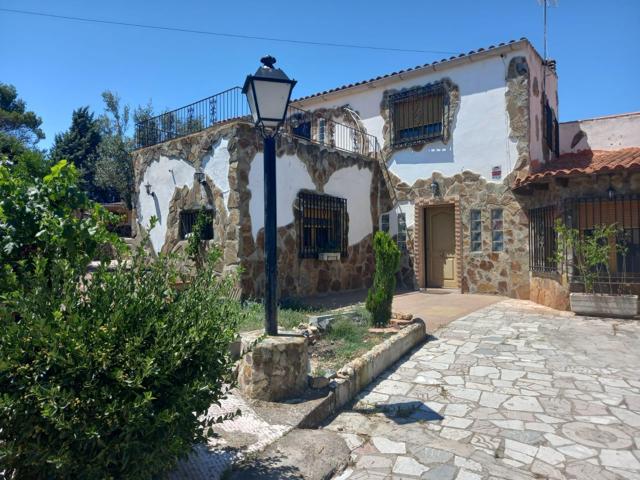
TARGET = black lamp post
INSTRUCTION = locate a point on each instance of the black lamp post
(268, 93)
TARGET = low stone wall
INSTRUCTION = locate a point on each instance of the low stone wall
(550, 291)
(275, 368)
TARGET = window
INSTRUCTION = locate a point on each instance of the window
(418, 115)
(322, 225)
(585, 214)
(322, 125)
(475, 228)
(384, 222)
(188, 219)
(402, 232)
(497, 237)
(551, 128)
(542, 239)
(301, 125)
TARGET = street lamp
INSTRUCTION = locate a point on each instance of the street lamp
(268, 93)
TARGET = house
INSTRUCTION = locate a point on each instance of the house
(458, 159)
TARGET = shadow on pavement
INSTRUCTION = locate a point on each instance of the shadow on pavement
(266, 468)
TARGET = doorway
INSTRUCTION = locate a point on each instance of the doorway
(440, 245)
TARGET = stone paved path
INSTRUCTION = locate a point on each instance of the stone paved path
(513, 391)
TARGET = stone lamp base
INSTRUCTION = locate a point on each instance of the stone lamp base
(275, 368)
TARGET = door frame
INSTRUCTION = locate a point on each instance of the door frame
(420, 246)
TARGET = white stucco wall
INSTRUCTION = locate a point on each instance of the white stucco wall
(605, 133)
(291, 177)
(351, 183)
(354, 184)
(480, 136)
(216, 166)
(164, 175)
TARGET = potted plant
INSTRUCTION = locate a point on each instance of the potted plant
(589, 256)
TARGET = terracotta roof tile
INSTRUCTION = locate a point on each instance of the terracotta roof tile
(587, 162)
(417, 67)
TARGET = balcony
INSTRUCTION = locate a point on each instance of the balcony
(231, 105)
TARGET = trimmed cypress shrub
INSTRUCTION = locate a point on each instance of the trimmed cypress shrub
(387, 262)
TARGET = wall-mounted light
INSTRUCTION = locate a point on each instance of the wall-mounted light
(435, 188)
(199, 176)
(147, 187)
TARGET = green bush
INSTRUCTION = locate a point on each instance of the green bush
(387, 262)
(104, 374)
(46, 217)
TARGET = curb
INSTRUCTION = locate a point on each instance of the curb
(360, 372)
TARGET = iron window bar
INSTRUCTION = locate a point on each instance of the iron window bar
(586, 213)
(188, 219)
(418, 115)
(322, 225)
(542, 239)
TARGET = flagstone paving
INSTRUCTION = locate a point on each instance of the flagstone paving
(513, 391)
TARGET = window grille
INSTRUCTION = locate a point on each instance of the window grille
(188, 219)
(585, 214)
(542, 239)
(402, 232)
(322, 225)
(476, 230)
(497, 234)
(418, 115)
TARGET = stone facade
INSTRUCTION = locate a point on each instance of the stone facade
(233, 230)
(505, 272)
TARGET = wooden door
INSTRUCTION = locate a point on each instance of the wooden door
(441, 248)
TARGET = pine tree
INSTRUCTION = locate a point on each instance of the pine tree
(19, 127)
(79, 145)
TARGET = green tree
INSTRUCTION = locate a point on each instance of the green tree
(114, 168)
(387, 262)
(19, 128)
(79, 145)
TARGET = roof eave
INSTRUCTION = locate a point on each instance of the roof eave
(416, 71)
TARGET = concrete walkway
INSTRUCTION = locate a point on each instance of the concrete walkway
(513, 391)
(439, 307)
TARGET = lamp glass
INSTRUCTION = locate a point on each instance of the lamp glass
(272, 98)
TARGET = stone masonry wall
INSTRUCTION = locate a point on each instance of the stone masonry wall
(505, 272)
(232, 221)
(552, 289)
(303, 276)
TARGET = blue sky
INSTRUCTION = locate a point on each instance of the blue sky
(59, 65)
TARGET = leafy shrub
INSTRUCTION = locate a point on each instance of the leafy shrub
(105, 374)
(45, 218)
(387, 262)
(589, 253)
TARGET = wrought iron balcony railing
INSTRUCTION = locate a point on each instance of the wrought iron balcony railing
(221, 107)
